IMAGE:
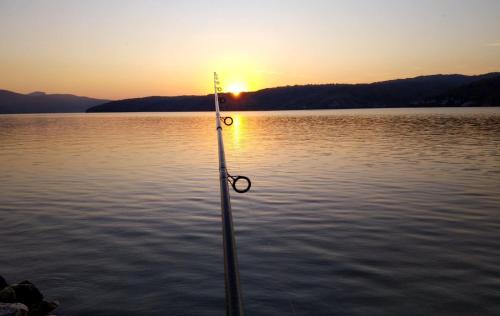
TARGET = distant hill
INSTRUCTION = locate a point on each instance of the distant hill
(484, 92)
(39, 102)
(435, 90)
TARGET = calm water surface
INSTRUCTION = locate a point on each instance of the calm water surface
(351, 212)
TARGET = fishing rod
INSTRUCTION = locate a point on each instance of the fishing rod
(234, 297)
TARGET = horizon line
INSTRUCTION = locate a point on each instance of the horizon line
(250, 91)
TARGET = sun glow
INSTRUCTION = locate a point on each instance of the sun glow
(236, 88)
(237, 129)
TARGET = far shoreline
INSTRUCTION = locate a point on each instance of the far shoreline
(257, 111)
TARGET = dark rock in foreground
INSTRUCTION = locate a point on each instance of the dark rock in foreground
(23, 298)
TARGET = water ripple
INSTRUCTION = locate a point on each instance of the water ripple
(352, 212)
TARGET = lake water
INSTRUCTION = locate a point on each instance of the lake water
(351, 212)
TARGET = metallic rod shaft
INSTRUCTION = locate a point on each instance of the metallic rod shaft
(234, 298)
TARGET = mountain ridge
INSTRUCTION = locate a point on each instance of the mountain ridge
(420, 91)
(41, 102)
(408, 92)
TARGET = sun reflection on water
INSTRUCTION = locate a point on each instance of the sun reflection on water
(237, 129)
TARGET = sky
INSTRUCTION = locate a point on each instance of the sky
(122, 48)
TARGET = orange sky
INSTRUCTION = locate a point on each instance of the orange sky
(120, 49)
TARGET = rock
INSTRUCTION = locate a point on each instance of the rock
(27, 293)
(13, 309)
(43, 308)
(7, 295)
(22, 299)
(3, 283)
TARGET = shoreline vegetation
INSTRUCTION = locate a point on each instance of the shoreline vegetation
(422, 91)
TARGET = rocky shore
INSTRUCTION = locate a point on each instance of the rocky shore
(23, 299)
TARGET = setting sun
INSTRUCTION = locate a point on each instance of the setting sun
(236, 88)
